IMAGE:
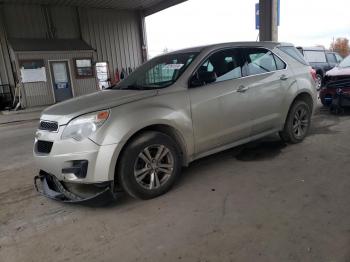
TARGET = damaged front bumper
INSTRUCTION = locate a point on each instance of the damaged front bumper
(49, 186)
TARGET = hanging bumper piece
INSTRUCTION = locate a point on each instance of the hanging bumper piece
(96, 195)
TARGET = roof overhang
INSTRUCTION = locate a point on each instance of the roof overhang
(147, 7)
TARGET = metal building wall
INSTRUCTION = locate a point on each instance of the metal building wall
(28, 21)
(41, 93)
(6, 76)
(115, 35)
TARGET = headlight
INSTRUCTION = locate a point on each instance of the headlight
(85, 125)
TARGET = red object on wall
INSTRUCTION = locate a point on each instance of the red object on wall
(117, 76)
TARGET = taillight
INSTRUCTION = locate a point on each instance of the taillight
(313, 73)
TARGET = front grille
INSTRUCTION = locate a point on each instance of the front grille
(48, 126)
(343, 83)
(44, 147)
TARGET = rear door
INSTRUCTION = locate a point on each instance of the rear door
(268, 80)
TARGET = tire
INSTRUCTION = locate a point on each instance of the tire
(298, 123)
(139, 172)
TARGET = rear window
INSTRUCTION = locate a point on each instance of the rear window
(315, 56)
(293, 52)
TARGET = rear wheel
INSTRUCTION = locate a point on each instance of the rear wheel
(149, 165)
(298, 122)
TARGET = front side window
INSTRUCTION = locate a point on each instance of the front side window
(227, 65)
(315, 56)
(260, 61)
(159, 72)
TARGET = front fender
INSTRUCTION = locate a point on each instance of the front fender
(127, 120)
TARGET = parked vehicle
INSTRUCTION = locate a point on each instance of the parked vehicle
(320, 60)
(334, 79)
(172, 110)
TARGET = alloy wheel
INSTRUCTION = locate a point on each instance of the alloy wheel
(153, 167)
(300, 122)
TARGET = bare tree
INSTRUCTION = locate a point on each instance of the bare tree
(341, 45)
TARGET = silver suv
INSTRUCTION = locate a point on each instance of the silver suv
(172, 110)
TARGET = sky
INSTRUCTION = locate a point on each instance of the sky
(201, 22)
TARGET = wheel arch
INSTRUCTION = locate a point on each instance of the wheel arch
(303, 95)
(162, 128)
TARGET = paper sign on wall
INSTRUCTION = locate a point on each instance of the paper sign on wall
(33, 75)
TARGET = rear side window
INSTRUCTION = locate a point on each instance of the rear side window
(261, 61)
(315, 56)
(293, 52)
(279, 63)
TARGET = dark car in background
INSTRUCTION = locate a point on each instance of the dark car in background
(321, 61)
(335, 79)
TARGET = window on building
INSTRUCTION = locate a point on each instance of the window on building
(84, 68)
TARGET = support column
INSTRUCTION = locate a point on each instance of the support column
(268, 20)
(143, 36)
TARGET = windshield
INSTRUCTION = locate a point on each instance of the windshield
(345, 62)
(157, 73)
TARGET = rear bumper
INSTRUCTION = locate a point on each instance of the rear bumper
(49, 186)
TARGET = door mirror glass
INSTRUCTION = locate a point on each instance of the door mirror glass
(203, 78)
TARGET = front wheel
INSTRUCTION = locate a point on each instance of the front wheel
(298, 123)
(149, 165)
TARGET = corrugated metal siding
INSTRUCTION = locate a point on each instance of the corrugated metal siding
(115, 35)
(41, 93)
(28, 21)
(65, 21)
(5, 64)
(24, 21)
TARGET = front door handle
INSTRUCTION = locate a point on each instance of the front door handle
(242, 89)
(284, 77)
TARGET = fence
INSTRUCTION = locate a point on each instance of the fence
(6, 97)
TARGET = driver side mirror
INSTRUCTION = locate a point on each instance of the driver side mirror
(202, 78)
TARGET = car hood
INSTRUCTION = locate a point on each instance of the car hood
(65, 111)
(338, 71)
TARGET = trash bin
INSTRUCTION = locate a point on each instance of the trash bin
(6, 97)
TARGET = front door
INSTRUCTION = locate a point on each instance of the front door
(220, 110)
(61, 81)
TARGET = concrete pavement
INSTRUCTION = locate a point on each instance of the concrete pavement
(30, 114)
(265, 201)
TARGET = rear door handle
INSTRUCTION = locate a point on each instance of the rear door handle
(284, 77)
(242, 89)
